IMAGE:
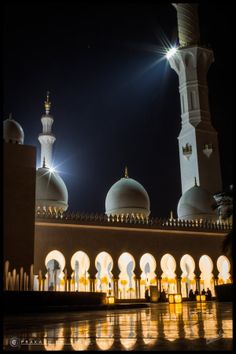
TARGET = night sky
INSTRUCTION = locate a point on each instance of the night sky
(114, 102)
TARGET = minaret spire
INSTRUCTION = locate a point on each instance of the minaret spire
(47, 104)
(126, 172)
(44, 163)
(191, 63)
(46, 138)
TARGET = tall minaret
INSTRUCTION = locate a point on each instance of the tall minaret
(46, 138)
(198, 142)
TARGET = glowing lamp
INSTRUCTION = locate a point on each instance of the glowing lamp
(110, 300)
(171, 299)
(171, 52)
(178, 298)
(175, 298)
(203, 298)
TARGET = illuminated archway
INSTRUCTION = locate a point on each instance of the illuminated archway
(105, 333)
(104, 277)
(126, 264)
(223, 266)
(128, 330)
(188, 282)
(80, 338)
(168, 281)
(207, 280)
(55, 264)
(53, 339)
(149, 327)
(148, 276)
(80, 277)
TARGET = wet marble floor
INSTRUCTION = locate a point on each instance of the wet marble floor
(187, 326)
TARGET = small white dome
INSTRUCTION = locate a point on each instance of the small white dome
(127, 196)
(51, 191)
(196, 203)
(12, 132)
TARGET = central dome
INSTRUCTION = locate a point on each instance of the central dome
(51, 191)
(127, 197)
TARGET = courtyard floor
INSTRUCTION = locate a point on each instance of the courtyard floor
(189, 326)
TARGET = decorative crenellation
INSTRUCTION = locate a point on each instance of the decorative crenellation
(132, 220)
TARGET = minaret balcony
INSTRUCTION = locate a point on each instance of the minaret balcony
(47, 134)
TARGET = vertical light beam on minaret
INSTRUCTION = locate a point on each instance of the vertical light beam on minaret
(191, 63)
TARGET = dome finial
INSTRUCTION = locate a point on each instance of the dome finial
(10, 116)
(126, 172)
(47, 104)
(195, 181)
(44, 163)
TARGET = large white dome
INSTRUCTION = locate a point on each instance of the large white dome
(196, 203)
(51, 191)
(12, 132)
(127, 197)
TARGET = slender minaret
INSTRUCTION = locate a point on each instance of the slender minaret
(198, 142)
(46, 138)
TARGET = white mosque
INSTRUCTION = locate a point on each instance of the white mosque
(124, 251)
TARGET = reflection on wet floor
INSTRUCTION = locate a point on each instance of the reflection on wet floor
(160, 326)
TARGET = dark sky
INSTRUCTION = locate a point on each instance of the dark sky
(113, 104)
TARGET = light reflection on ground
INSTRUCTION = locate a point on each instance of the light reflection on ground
(187, 326)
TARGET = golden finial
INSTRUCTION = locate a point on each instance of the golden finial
(44, 163)
(47, 104)
(126, 172)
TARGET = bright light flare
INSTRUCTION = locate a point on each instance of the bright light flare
(52, 169)
(171, 52)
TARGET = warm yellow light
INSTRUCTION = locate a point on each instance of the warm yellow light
(198, 298)
(178, 298)
(172, 308)
(104, 280)
(153, 281)
(175, 298)
(178, 308)
(110, 300)
(130, 289)
(203, 298)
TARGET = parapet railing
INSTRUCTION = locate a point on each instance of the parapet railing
(127, 220)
